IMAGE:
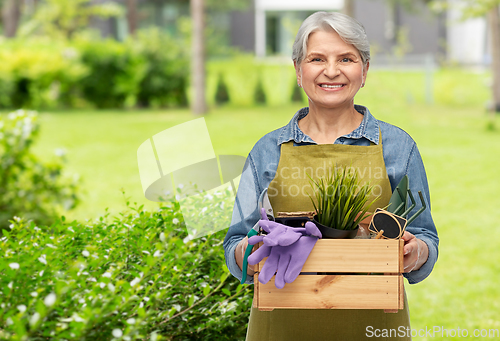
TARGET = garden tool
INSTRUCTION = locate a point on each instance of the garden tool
(393, 221)
(392, 225)
(284, 257)
(263, 203)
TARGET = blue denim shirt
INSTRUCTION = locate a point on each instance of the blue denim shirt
(401, 158)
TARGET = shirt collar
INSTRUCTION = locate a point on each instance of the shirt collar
(368, 128)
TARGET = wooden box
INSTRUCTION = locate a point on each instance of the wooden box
(362, 274)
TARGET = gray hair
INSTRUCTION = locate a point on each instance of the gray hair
(349, 29)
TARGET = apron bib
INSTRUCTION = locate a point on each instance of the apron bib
(289, 192)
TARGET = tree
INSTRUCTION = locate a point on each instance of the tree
(490, 9)
(63, 18)
(199, 105)
(11, 13)
(494, 28)
(132, 16)
(349, 8)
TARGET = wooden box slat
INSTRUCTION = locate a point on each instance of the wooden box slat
(332, 292)
(353, 255)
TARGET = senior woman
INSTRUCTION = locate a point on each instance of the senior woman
(331, 56)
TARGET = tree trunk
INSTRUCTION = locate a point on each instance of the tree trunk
(494, 27)
(132, 16)
(349, 8)
(11, 13)
(199, 105)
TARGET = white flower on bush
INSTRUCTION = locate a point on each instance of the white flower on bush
(131, 321)
(135, 281)
(34, 318)
(41, 272)
(85, 253)
(21, 308)
(106, 274)
(117, 333)
(14, 266)
(175, 221)
(162, 237)
(77, 318)
(157, 253)
(102, 285)
(34, 294)
(50, 299)
(111, 287)
(42, 259)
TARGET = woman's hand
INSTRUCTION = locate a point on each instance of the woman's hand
(239, 252)
(415, 252)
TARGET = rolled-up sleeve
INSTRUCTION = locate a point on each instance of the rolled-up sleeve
(245, 215)
(423, 226)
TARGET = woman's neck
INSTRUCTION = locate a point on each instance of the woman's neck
(327, 125)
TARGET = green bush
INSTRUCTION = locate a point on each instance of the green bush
(38, 74)
(28, 187)
(115, 72)
(165, 79)
(131, 277)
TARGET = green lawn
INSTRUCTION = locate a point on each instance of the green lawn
(459, 152)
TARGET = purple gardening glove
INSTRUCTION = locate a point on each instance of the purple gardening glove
(277, 234)
(284, 258)
(287, 261)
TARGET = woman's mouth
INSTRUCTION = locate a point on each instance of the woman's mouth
(332, 86)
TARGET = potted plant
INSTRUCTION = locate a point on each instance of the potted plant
(340, 203)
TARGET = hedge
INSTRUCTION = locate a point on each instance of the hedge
(134, 276)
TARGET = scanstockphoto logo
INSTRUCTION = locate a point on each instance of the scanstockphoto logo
(180, 162)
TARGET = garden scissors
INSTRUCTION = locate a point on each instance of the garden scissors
(263, 202)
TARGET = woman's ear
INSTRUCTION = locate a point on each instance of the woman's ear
(297, 73)
(365, 72)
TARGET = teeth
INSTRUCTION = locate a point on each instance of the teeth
(330, 86)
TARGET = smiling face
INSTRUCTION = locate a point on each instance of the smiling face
(331, 73)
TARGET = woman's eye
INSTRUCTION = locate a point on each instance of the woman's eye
(346, 60)
(316, 59)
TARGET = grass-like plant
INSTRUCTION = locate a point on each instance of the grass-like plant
(339, 200)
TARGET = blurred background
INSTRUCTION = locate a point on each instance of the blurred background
(84, 82)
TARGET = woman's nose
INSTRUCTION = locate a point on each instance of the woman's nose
(331, 70)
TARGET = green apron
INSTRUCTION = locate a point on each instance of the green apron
(288, 192)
